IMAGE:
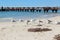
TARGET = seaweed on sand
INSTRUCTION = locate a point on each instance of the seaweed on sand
(39, 25)
(57, 37)
(38, 29)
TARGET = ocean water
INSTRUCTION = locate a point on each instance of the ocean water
(27, 15)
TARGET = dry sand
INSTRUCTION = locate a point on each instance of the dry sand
(19, 30)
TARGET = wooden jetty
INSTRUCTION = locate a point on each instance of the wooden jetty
(30, 9)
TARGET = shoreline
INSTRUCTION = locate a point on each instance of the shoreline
(18, 19)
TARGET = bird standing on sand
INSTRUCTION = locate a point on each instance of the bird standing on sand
(49, 21)
(28, 22)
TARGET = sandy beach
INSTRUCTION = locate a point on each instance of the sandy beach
(19, 30)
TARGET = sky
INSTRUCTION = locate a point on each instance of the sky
(29, 3)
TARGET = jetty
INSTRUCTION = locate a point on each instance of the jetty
(31, 9)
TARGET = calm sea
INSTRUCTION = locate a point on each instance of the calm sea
(27, 15)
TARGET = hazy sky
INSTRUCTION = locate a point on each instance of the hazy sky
(29, 3)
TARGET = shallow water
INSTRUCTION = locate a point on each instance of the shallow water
(7, 16)
(27, 15)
